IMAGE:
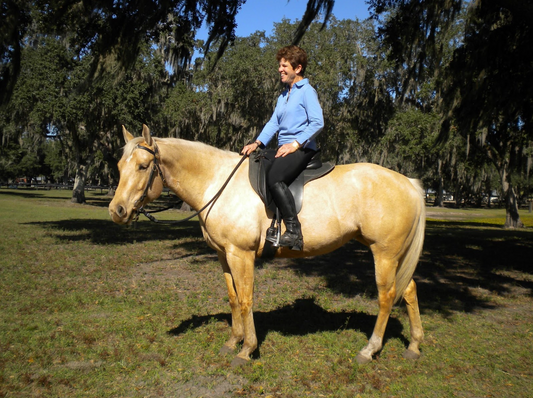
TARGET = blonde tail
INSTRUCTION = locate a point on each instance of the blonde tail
(410, 259)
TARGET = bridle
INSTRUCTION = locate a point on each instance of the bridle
(157, 169)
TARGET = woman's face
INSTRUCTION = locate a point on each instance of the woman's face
(288, 74)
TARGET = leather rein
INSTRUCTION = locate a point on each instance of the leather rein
(156, 169)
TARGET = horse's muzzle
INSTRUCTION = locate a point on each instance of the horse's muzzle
(119, 214)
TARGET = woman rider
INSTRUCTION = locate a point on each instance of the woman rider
(298, 120)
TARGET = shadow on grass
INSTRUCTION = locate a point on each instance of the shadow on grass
(105, 232)
(457, 261)
(27, 194)
(164, 201)
(301, 318)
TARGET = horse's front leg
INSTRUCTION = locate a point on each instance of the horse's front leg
(237, 326)
(239, 273)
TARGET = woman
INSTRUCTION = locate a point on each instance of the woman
(298, 120)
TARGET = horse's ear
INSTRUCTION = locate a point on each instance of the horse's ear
(146, 135)
(127, 135)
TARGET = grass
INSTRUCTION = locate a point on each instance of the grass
(92, 309)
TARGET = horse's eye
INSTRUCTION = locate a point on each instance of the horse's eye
(143, 167)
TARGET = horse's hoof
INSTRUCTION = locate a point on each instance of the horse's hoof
(225, 350)
(238, 361)
(411, 355)
(362, 360)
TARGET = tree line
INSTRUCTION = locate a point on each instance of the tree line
(439, 91)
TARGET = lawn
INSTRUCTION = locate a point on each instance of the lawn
(93, 309)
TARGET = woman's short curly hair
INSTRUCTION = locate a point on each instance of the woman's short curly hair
(295, 55)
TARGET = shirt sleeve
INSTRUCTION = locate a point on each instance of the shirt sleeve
(314, 115)
(270, 129)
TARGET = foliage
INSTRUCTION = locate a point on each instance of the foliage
(409, 143)
(112, 32)
(483, 87)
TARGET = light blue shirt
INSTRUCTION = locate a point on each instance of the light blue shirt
(297, 116)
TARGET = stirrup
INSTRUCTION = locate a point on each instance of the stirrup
(273, 234)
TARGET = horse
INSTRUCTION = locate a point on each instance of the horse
(378, 207)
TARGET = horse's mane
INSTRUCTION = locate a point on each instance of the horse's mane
(193, 145)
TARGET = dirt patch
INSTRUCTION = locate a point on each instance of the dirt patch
(211, 387)
(83, 366)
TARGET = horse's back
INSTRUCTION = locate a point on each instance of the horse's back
(364, 183)
(363, 201)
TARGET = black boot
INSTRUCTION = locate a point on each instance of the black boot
(283, 198)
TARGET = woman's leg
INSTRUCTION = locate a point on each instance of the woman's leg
(284, 171)
(287, 168)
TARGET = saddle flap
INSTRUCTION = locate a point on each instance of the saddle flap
(257, 175)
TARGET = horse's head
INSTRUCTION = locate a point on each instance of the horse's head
(140, 177)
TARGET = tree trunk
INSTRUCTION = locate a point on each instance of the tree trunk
(512, 218)
(78, 192)
(439, 197)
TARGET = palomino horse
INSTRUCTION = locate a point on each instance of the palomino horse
(380, 208)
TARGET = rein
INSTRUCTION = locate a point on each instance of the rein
(157, 168)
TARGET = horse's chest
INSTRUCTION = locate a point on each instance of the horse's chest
(213, 240)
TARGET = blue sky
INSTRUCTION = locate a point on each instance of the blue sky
(261, 14)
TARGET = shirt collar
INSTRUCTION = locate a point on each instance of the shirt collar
(301, 82)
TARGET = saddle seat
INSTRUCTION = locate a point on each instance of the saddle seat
(258, 169)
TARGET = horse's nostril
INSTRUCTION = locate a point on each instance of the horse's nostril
(121, 211)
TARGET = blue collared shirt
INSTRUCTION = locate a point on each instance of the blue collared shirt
(297, 116)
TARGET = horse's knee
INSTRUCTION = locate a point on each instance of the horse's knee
(246, 307)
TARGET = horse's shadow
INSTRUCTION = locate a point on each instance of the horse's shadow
(300, 318)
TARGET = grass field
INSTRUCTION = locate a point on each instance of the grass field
(93, 309)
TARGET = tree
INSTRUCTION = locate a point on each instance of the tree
(488, 88)
(47, 101)
(113, 32)
(485, 88)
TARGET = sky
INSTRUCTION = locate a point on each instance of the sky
(261, 14)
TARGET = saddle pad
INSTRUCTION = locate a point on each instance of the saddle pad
(257, 175)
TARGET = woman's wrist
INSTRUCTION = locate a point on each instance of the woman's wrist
(296, 144)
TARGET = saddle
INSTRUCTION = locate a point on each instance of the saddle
(259, 167)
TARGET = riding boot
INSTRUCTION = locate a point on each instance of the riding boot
(284, 200)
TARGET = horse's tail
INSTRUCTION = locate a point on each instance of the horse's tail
(415, 241)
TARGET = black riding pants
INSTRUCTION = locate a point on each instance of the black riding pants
(286, 169)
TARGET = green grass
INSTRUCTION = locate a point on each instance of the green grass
(93, 309)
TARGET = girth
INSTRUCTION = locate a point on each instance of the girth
(258, 169)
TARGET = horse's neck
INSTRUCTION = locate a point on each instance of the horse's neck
(192, 170)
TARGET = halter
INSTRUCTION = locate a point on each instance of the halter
(157, 168)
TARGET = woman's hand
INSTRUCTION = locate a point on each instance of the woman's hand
(287, 149)
(248, 149)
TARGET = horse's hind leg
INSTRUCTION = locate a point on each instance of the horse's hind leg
(237, 326)
(386, 283)
(417, 333)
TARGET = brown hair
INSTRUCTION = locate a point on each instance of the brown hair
(295, 55)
